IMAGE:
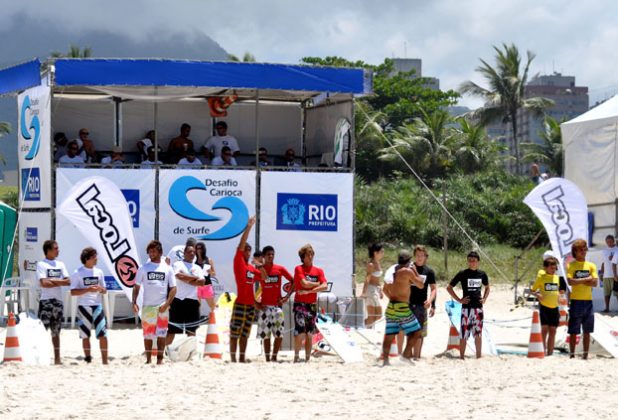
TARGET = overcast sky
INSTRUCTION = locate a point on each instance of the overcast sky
(573, 37)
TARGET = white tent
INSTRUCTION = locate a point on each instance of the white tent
(590, 153)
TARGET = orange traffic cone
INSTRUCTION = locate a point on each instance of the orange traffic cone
(394, 351)
(535, 348)
(453, 339)
(212, 347)
(564, 311)
(11, 345)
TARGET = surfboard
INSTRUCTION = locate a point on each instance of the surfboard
(182, 349)
(453, 310)
(340, 340)
(34, 342)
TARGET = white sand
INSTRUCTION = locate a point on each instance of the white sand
(435, 387)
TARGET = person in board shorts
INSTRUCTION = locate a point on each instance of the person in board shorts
(607, 273)
(582, 277)
(52, 275)
(472, 281)
(270, 317)
(88, 284)
(547, 288)
(309, 280)
(159, 283)
(422, 307)
(399, 316)
(243, 313)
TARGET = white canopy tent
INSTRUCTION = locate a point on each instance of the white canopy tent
(590, 153)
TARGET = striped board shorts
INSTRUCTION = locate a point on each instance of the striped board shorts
(91, 318)
(399, 317)
(242, 318)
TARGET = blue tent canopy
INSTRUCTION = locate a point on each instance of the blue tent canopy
(228, 75)
(20, 77)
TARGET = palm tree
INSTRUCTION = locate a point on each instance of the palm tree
(370, 139)
(427, 143)
(506, 94)
(246, 58)
(474, 149)
(74, 52)
(550, 151)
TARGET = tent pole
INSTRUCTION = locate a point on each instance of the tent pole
(117, 120)
(156, 150)
(257, 165)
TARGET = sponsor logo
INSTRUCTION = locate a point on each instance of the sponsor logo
(560, 218)
(582, 274)
(271, 279)
(287, 287)
(551, 287)
(307, 212)
(32, 234)
(30, 265)
(54, 273)
(226, 189)
(111, 283)
(132, 197)
(30, 111)
(115, 245)
(31, 184)
(155, 276)
(474, 283)
(91, 281)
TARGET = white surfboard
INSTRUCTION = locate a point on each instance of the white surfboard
(605, 335)
(340, 341)
(34, 342)
(182, 349)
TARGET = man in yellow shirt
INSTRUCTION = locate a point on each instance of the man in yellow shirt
(548, 287)
(582, 277)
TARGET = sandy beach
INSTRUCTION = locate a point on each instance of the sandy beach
(438, 386)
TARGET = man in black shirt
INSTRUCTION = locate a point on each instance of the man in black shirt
(419, 303)
(472, 281)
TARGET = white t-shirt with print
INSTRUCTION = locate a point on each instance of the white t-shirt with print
(183, 289)
(610, 256)
(51, 269)
(155, 279)
(216, 143)
(83, 278)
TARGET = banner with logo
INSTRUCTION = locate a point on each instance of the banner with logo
(317, 208)
(562, 208)
(99, 211)
(212, 206)
(137, 187)
(34, 229)
(34, 146)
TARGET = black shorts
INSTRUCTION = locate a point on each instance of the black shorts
(50, 314)
(549, 316)
(581, 316)
(305, 315)
(184, 316)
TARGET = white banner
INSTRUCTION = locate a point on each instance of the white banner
(34, 229)
(99, 211)
(136, 185)
(34, 146)
(317, 208)
(562, 208)
(212, 206)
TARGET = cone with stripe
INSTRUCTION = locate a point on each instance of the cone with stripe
(393, 351)
(11, 345)
(535, 348)
(564, 311)
(453, 339)
(212, 347)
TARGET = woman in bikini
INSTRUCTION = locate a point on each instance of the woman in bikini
(372, 289)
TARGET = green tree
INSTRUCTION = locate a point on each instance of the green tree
(74, 52)
(370, 140)
(474, 150)
(427, 144)
(246, 58)
(5, 128)
(505, 96)
(550, 151)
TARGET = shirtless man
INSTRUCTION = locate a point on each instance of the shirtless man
(399, 316)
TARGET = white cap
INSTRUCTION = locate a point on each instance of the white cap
(548, 254)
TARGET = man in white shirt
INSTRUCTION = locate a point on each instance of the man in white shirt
(212, 148)
(608, 269)
(116, 158)
(52, 275)
(190, 159)
(159, 284)
(185, 308)
(151, 160)
(225, 159)
(72, 155)
(88, 284)
(145, 143)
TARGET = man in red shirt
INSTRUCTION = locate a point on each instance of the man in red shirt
(243, 313)
(270, 315)
(308, 282)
